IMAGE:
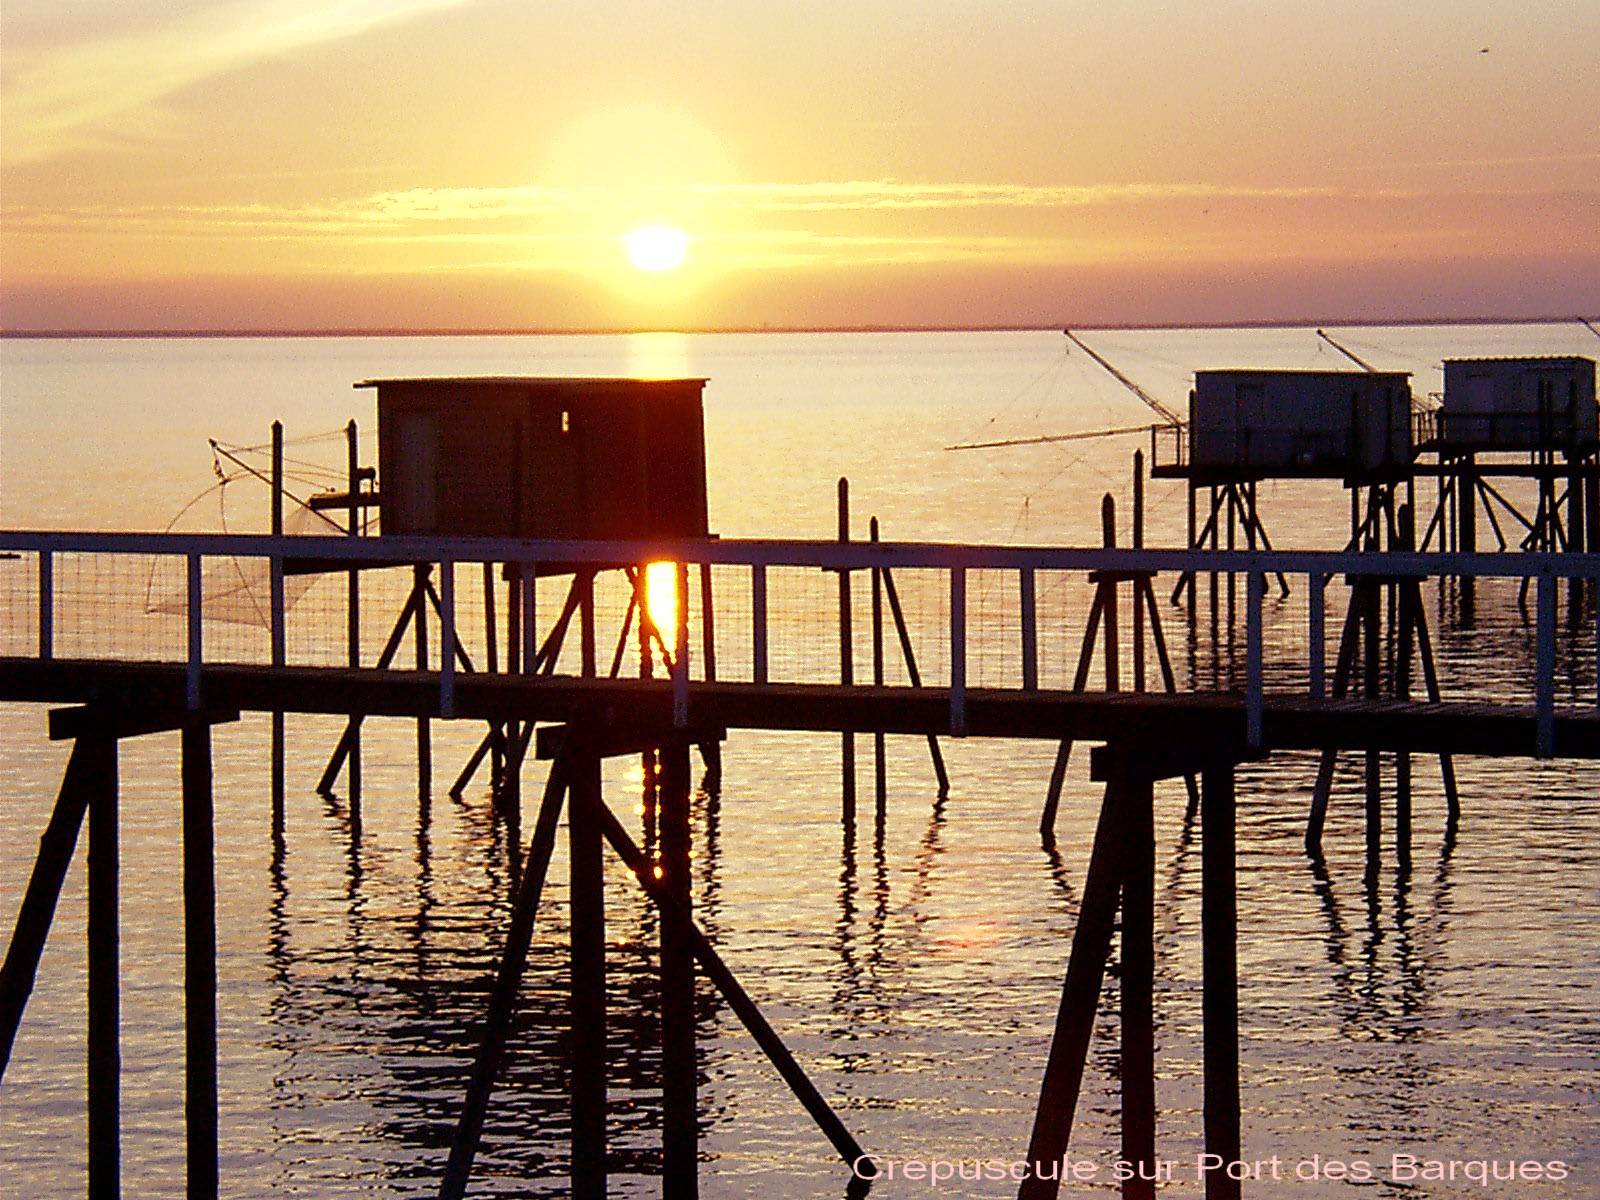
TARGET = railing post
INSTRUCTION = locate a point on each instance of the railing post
(1317, 638)
(196, 596)
(758, 622)
(447, 637)
(680, 652)
(1255, 588)
(530, 615)
(958, 651)
(47, 604)
(1030, 630)
(279, 633)
(1545, 685)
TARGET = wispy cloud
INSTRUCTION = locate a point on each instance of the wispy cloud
(416, 210)
(111, 88)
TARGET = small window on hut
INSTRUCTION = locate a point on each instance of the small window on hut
(566, 421)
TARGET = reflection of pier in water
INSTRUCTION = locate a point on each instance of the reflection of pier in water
(991, 681)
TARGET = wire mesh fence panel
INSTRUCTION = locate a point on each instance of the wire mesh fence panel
(803, 622)
(105, 608)
(19, 604)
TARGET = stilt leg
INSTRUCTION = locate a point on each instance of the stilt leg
(502, 1002)
(424, 730)
(105, 1002)
(1220, 1000)
(38, 909)
(200, 962)
(1058, 774)
(588, 983)
(680, 1133)
(733, 992)
(1080, 994)
(1137, 982)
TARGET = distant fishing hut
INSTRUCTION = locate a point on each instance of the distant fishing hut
(1518, 404)
(1494, 412)
(1253, 424)
(1246, 425)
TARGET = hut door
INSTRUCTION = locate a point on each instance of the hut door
(1249, 423)
(416, 486)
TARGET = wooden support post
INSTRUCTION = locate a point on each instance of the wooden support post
(1080, 996)
(502, 1001)
(1577, 511)
(585, 582)
(352, 728)
(958, 651)
(38, 908)
(1408, 596)
(105, 1001)
(758, 623)
(1371, 667)
(710, 751)
(1216, 544)
(679, 1119)
(847, 668)
(419, 575)
(530, 618)
(1138, 543)
(912, 672)
(491, 664)
(278, 617)
(1137, 986)
(588, 981)
(1545, 667)
(733, 992)
(880, 771)
(1108, 532)
(1317, 641)
(680, 648)
(1030, 629)
(353, 596)
(199, 962)
(1430, 675)
(1467, 538)
(1344, 666)
(1220, 967)
(47, 605)
(1058, 773)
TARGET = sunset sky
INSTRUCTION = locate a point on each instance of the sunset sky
(289, 164)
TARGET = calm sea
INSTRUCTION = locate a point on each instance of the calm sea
(913, 962)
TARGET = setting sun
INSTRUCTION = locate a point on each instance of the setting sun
(656, 247)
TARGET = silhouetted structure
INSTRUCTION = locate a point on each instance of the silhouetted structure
(542, 457)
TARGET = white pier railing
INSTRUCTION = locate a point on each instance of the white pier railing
(1003, 609)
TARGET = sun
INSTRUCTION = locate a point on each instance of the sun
(656, 247)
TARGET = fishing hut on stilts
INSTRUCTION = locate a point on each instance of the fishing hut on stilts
(1508, 419)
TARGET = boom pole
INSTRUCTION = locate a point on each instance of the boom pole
(1160, 409)
(1350, 354)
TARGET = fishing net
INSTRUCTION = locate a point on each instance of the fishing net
(238, 589)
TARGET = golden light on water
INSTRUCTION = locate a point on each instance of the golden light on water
(661, 599)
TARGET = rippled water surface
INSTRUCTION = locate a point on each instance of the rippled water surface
(912, 960)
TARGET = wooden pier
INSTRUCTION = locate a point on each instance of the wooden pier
(578, 716)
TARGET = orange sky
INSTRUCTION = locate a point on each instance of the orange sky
(474, 163)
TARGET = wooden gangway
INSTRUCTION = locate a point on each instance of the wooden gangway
(990, 679)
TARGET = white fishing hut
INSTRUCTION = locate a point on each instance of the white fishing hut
(1519, 404)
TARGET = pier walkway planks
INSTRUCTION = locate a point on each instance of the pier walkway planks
(1197, 719)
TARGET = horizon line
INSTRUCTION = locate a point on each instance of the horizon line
(1302, 322)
